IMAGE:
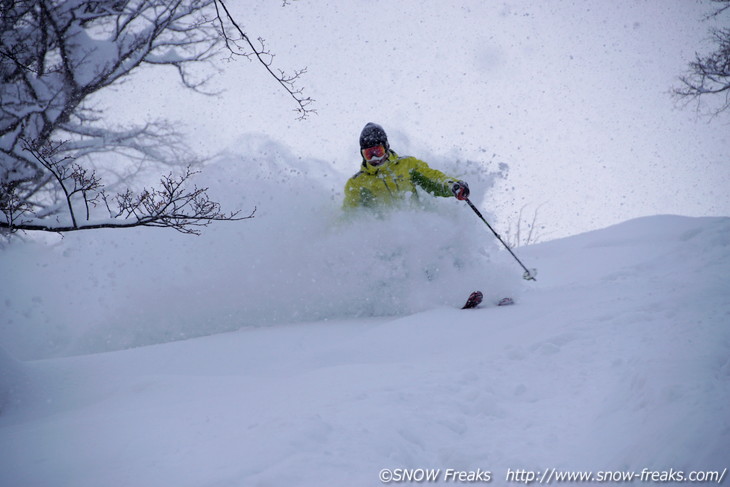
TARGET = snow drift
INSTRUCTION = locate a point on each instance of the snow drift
(615, 360)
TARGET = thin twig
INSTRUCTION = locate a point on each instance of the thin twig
(287, 82)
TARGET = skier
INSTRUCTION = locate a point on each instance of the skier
(386, 178)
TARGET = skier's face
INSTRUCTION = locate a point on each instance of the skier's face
(374, 155)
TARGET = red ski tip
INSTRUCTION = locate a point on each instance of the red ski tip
(474, 300)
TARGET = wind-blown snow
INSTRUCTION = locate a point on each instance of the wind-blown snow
(616, 359)
(299, 259)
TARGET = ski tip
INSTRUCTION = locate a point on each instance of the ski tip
(474, 300)
(506, 302)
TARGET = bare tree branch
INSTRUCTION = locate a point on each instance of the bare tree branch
(173, 204)
(264, 56)
(55, 55)
(514, 236)
(716, 13)
(709, 74)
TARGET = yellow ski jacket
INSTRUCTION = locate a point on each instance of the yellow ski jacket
(394, 181)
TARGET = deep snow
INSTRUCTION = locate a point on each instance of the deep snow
(312, 350)
(618, 358)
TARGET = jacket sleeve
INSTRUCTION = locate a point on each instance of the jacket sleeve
(431, 180)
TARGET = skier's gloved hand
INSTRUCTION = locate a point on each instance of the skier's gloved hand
(460, 190)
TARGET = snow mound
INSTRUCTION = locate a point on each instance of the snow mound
(615, 360)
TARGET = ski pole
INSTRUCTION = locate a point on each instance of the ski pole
(529, 274)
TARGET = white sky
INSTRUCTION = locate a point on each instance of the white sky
(573, 95)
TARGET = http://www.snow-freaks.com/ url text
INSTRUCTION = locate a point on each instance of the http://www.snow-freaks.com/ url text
(549, 476)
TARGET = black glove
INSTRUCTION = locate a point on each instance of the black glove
(460, 190)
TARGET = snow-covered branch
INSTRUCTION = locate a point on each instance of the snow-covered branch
(172, 204)
(55, 55)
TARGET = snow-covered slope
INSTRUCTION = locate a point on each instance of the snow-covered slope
(617, 359)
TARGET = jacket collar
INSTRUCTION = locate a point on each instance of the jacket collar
(372, 170)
